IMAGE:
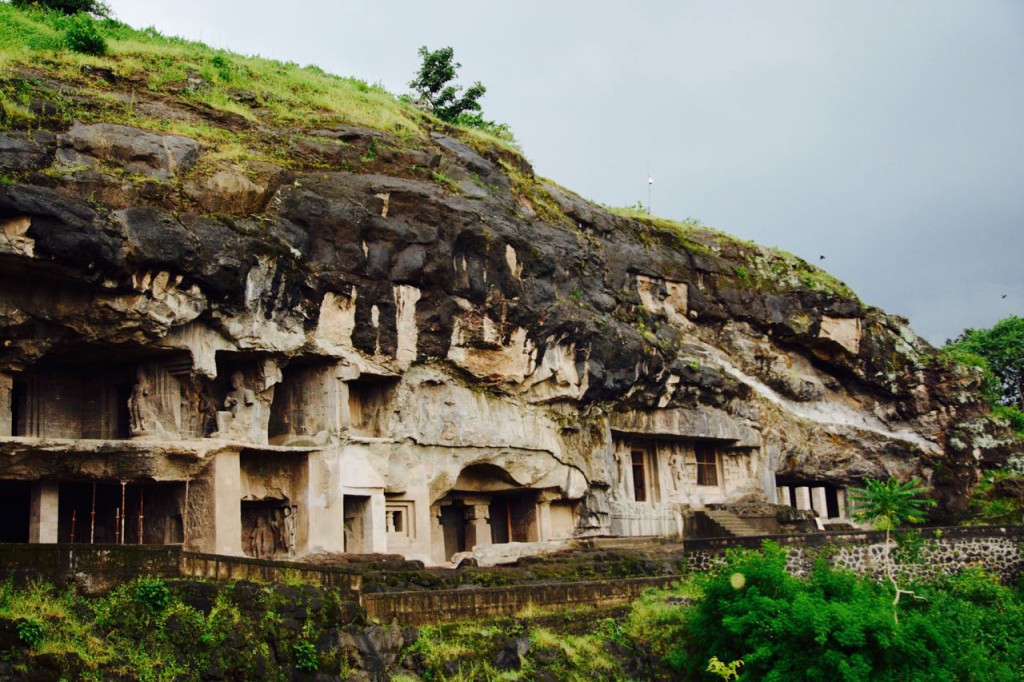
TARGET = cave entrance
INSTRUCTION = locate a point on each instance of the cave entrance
(305, 406)
(15, 505)
(513, 517)
(107, 512)
(369, 402)
(826, 500)
(357, 523)
(84, 392)
(268, 528)
(453, 528)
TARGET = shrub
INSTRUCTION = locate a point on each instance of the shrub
(30, 631)
(305, 656)
(83, 37)
(67, 7)
(153, 593)
(837, 625)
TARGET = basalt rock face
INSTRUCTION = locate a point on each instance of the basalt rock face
(444, 264)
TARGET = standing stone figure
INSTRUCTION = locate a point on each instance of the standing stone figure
(676, 465)
(261, 540)
(289, 529)
(623, 462)
(137, 403)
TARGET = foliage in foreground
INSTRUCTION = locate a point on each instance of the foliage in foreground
(835, 625)
(143, 630)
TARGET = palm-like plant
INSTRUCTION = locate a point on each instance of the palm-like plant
(887, 505)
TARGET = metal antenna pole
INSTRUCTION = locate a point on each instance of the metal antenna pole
(650, 185)
(142, 493)
(184, 522)
(124, 510)
(92, 516)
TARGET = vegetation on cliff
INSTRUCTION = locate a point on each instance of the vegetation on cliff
(999, 354)
(241, 99)
(148, 629)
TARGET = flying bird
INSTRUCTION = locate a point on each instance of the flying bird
(821, 258)
(1003, 296)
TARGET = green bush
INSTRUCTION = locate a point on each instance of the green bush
(153, 593)
(305, 656)
(835, 625)
(68, 7)
(83, 37)
(30, 631)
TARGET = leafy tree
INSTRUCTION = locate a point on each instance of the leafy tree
(67, 7)
(888, 505)
(1002, 349)
(834, 625)
(435, 85)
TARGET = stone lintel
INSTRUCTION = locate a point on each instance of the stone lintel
(707, 423)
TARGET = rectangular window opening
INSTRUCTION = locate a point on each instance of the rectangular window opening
(639, 475)
(707, 465)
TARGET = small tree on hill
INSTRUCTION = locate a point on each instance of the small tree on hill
(435, 84)
(67, 7)
(888, 505)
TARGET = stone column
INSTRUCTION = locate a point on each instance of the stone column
(841, 499)
(6, 411)
(436, 535)
(818, 501)
(803, 497)
(376, 537)
(227, 504)
(782, 495)
(478, 526)
(325, 507)
(544, 521)
(42, 520)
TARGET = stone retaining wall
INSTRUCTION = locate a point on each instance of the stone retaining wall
(943, 551)
(97, 568)
(416, 608)
(216, 567)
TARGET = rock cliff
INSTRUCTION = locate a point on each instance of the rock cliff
(516, 315)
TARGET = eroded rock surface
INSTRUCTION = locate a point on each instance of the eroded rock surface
(439, 364)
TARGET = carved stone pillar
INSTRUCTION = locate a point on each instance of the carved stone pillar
(818, 501)
(803, 497)
(6, 410)
(478, 526)
(782, 495)
(42, 522)
(227, 506)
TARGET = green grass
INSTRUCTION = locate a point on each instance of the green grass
(284, 92)
(762, 268)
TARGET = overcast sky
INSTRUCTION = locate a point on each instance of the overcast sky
(886, 136)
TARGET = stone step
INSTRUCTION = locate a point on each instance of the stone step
(731, 523)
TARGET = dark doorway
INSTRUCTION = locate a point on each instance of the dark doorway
(831, 502)
(19, 405)
(357, 524)
(15, 502)
(101, 512)
(513, 517)
(453, 524)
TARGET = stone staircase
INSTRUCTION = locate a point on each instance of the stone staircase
(731, 523)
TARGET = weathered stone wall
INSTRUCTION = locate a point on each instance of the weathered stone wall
(999, 549)
(96, 568)
(416, 608)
